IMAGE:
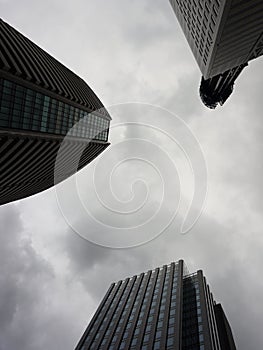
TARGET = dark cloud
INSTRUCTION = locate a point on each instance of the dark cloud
(33, 296)
(23, 275)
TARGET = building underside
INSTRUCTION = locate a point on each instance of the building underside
(216, 90)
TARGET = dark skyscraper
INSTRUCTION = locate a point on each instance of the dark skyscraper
(223, 35)
(40, 101)
(166, 308)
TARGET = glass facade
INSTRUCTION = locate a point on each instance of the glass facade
(199, 22)
(192, 318)
(25, 109)
(160, 309)
(139, 313)
(219, 35)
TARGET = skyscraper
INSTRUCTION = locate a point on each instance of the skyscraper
(40, 101)
(223, 36)
(165, 308)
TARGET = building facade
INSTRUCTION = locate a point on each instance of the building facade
(223, 36)
(42, 101)
(165, 308)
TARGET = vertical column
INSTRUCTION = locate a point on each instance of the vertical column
(94, 318)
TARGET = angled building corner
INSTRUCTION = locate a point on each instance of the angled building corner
(224, 35)
(40, 101)
(165, 308)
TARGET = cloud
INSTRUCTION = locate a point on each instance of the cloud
(52, 280)
(33, 297)
(22, 270)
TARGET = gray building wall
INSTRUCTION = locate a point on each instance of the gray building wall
(159, 309)
(221, 34)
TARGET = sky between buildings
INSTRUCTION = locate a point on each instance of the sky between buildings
(51, 279)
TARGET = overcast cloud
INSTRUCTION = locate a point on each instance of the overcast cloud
(51, 279)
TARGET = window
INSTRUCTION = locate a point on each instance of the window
(137, 331)
(171, 330)
(159, 324)
(122, 345)
(170, 341)
(148, 328)
(172, 312)
(150, 319)
(134, 341)
(114, 339)
(171, 321)
(158, 334)
(146, 338)
(41, 113)
(125, 335)
(157, 345)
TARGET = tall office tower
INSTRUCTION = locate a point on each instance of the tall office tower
(165, 308)
(223, 35)
(40, 101)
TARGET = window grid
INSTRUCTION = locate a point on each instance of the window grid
(23, 108)
(199, 18)
(193, 335)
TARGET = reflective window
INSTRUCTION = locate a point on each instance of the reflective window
(171, 330)
(158, 334)
(23, 108)
(134, 341)
(157, 345)
(170, 341)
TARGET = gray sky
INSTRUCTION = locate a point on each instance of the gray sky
(51, 280)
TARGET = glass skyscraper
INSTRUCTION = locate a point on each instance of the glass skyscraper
(40, 101)
(223, 36)
(164, 308)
